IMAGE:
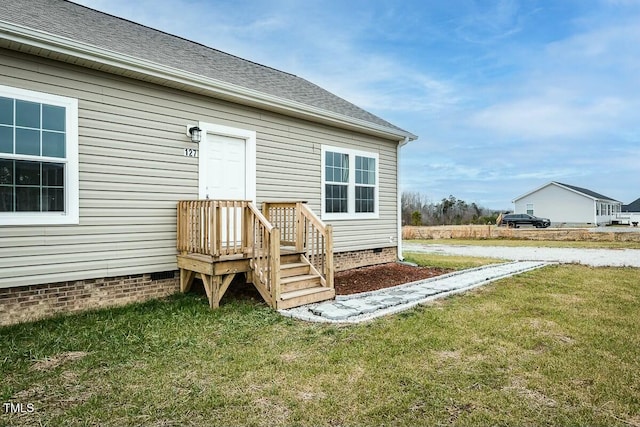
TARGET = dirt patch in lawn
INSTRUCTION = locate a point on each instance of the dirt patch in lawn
(381, 276)
(52, 362)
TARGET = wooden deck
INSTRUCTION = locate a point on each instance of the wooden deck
(217, 239)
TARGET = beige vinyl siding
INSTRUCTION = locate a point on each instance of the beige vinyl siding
(132, 172)
(302, 176)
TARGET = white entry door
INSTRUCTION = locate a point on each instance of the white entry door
(225, 161)
(226, 180)
(227, 171)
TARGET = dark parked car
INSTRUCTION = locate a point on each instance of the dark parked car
(515, 220)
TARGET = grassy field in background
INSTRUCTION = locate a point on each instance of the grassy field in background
(453, 262)
(555, 346)
(531, 243)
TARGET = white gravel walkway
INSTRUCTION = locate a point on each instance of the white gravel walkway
(592, 257)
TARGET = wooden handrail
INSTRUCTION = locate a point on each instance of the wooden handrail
(312, 216)
(265, 252)
(259, 216)
(303, 230)
(318, 243)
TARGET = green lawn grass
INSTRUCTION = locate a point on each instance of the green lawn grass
(555, 346)
(532, 243)
(452, 262)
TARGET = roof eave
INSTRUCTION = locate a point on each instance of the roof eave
(118, 63)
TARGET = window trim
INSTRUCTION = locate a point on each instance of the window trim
(71, 213)
(351, 185)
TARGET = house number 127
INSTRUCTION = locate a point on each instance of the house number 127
(190, 152)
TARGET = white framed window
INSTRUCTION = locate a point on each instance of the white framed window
(349, 184)
(530, 208)
(38, 158)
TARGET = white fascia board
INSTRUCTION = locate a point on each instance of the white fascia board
(242, 95)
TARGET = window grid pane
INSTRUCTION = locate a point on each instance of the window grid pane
(31, 186)
(28, 142)
(335, 198)
(6, 139)
(366, 178)
(53, 118)
(53, 144)
(336, 170)
(365, 170)
(365, 199)
(336, 167)
(37, 130)
(6, 111)
(28, 114)
(52, 199)
(27, 199)
(6, 199)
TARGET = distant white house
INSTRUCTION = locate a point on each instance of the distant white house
(568, 204)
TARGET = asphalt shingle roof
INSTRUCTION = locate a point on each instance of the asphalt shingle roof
(632, 207)
(587, 192)
(82, 24)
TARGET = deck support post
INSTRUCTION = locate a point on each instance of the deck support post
(329, 257)
(275, 266)
(186, 279)
(225, 285)
(211, 288)
(216, 286)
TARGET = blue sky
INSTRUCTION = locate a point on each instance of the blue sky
(504, 95)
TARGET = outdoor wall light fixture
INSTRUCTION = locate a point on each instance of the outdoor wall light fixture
(195, 133)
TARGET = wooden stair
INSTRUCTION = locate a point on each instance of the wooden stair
(300, 284)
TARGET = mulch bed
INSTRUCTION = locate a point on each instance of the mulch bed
(381, 276)
(346, 282)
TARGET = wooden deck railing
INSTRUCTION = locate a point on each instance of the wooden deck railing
(236, 228)
(306, 233)
(213, 227)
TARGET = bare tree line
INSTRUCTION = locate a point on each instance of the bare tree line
(417, 209)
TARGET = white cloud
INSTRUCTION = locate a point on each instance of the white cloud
(587, 84)
(552, 117)
(489, 24)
